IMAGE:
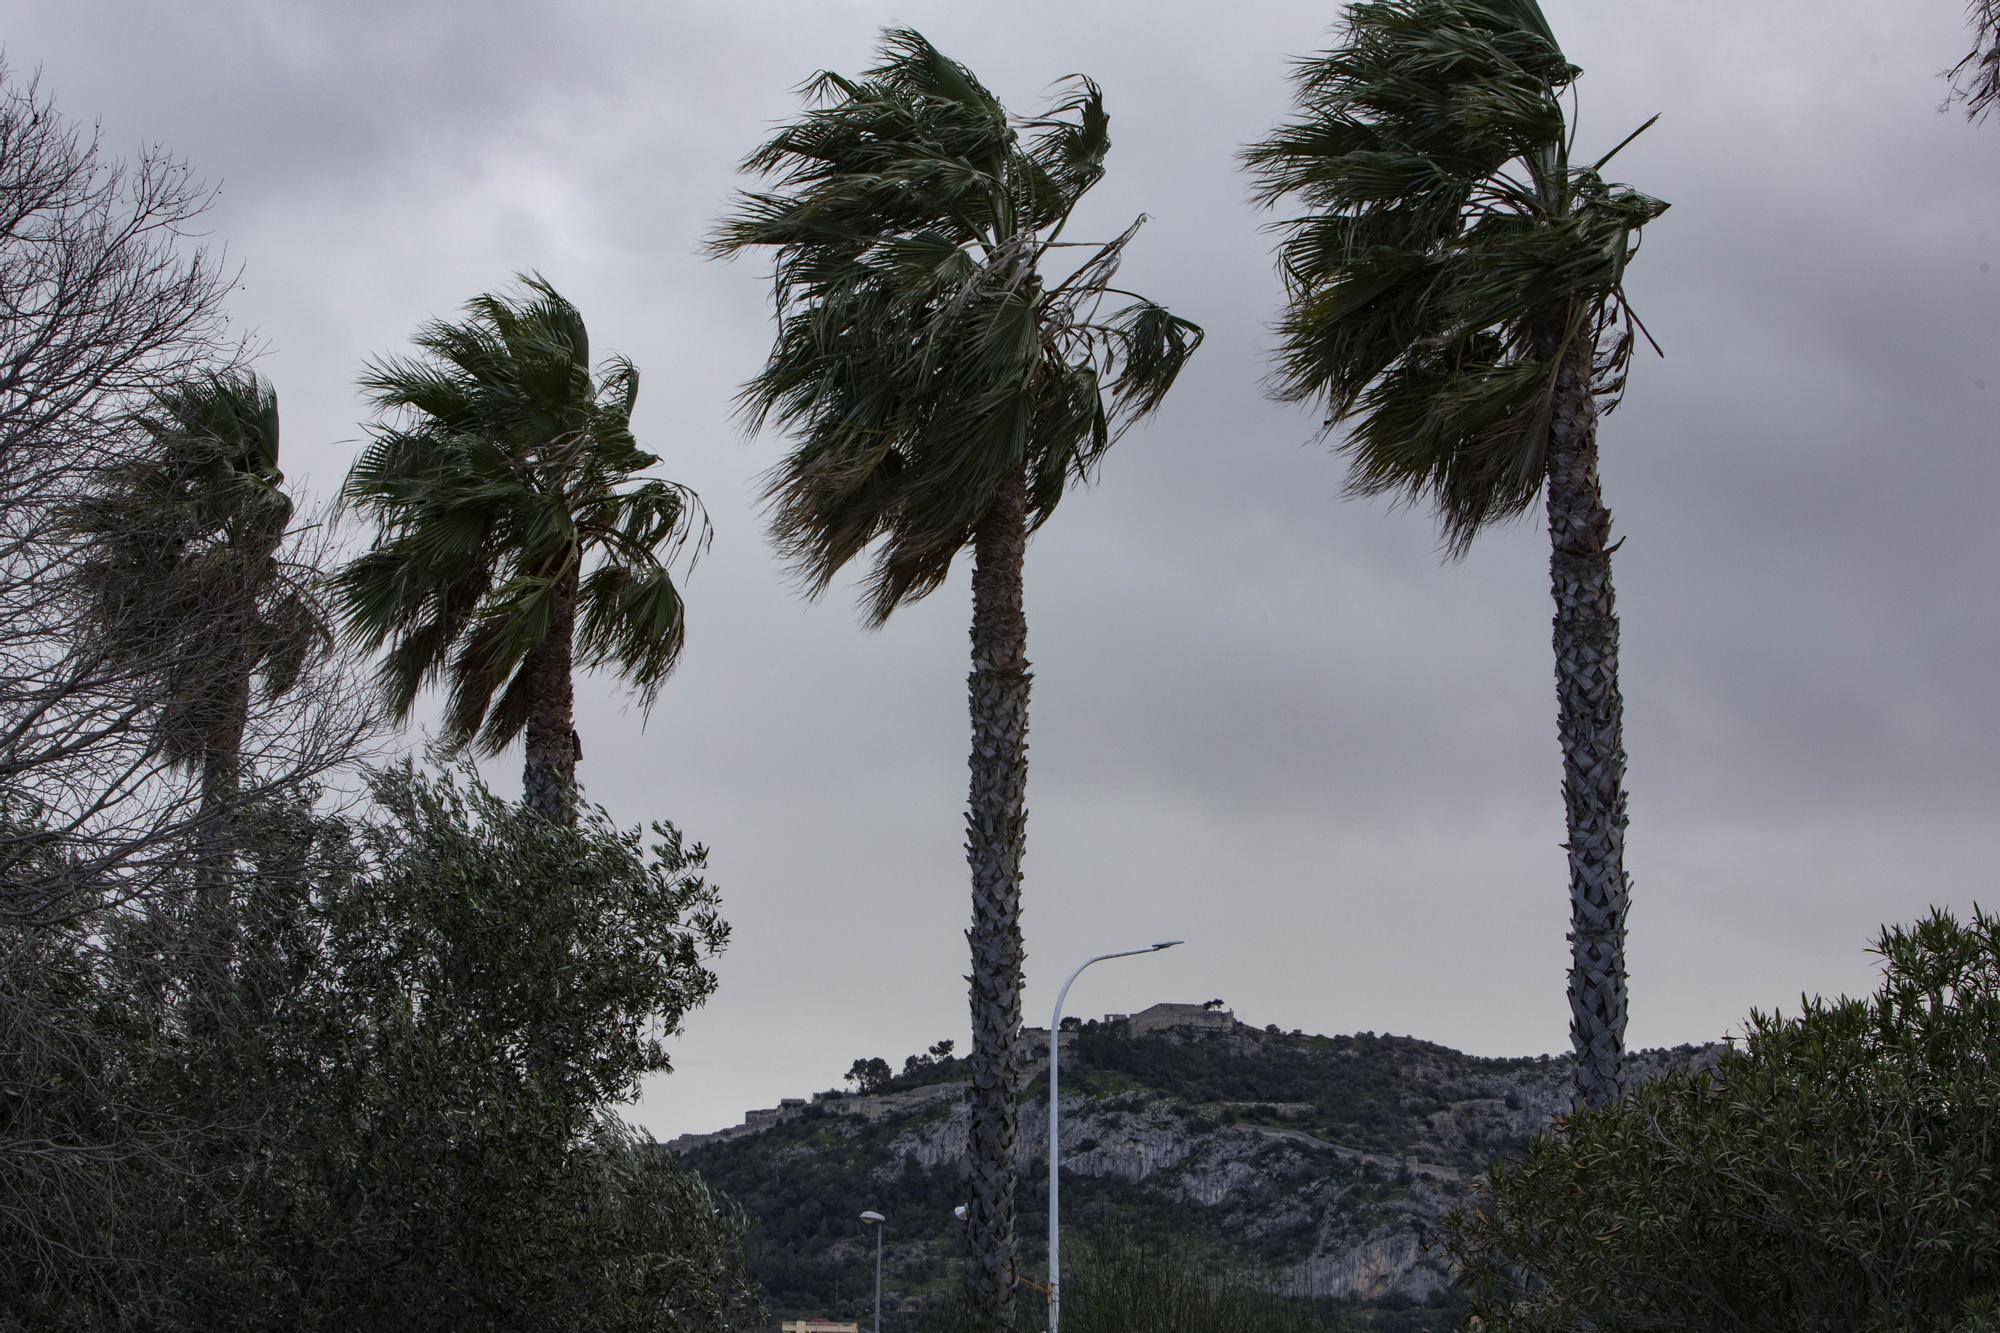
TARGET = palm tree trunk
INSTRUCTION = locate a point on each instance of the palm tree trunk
(1590, 722)
(548, 777)
(212, 940)
(996, 832)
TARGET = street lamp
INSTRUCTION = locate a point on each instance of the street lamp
(1055, 1154)
(875, 1219)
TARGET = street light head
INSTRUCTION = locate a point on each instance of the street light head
(872, 1218)
(1167, 944)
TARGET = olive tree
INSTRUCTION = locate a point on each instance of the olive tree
(1836, 1173)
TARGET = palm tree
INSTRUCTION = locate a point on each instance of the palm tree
(1976, 79)
(1456, 301)
(942, 392)
(512, 541)
(186, 593)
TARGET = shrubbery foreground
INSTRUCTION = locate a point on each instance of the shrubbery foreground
(1836, 1173)
(396, 1103)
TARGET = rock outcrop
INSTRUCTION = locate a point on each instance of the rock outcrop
(1327, 1166)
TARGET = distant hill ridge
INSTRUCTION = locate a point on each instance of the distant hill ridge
(1159, 1018)
(1324, 1163)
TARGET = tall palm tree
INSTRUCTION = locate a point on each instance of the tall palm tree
(513, 540)
(942, 391)
(189, 600)
(1456, 303)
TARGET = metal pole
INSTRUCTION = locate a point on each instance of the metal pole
(1055, 1151)
(876, 1220)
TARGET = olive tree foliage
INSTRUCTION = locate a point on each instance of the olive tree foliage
(1836, 1173)
(435, 1005)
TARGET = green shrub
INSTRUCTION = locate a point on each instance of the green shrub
(1838, 1173)
(1124, 1284)
(402, 1101)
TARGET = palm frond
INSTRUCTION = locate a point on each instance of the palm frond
(922, 357)
(502, 465)
(630, 617)
(1445, 252)
(1975, 80)
(180, 568)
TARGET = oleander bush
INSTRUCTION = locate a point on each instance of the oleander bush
(1840, 1171)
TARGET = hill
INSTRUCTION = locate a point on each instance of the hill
(1320, 1164)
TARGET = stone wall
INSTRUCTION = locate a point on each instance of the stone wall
(1168, 1017)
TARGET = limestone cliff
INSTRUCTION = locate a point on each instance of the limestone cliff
(1323, 1164)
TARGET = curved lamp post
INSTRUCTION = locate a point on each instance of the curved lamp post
(875, 1220)
(1055, 1154)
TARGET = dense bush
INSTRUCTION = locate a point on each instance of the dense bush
(1122, 1283)
(1118, 1285)
(401, 1114)
(1838, 1173)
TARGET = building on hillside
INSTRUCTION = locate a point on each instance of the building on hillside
(817, 1325)
(1179, 1017)
(1037, 1040)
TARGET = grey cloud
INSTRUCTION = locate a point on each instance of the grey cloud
(1267, 717)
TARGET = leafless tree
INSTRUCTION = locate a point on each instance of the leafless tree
(108, 297)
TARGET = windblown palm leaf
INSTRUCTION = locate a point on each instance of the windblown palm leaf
(503, 483)
(1976, 79)
(1457, 304)
(1449, 255)
(182, 566)
(923, 356)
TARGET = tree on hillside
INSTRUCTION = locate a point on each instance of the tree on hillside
(870, 1074)
(514, 540)
(1457, 305)
(942, 393)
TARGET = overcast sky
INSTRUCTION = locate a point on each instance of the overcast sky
(1266, 719)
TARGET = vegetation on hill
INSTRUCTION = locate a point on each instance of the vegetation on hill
(1367, 1091)
(1345, 1138)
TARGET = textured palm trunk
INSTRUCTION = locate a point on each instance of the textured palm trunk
(996, 831)
(1590, 721)
(213, 944)
(548, 777)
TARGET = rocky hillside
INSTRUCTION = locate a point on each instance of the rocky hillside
(1319, 1164)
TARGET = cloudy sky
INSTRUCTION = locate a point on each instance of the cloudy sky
(1266, 719)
